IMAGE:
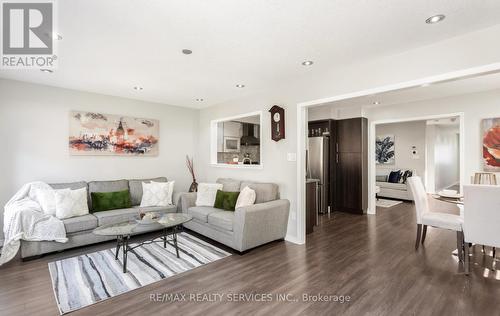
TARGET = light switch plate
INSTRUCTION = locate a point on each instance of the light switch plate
(291, 156)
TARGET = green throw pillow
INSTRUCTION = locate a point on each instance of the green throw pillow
(226, 200)
(104, 201)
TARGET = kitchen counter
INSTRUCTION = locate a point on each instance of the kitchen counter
(312, 180)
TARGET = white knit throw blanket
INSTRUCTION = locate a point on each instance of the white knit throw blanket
(24, 219)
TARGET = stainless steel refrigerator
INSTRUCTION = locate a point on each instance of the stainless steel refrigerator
(318, 168)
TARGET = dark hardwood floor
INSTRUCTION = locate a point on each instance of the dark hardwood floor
(369, 258)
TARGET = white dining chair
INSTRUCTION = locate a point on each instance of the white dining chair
(484, 178)
(434, 219)
(481, 217)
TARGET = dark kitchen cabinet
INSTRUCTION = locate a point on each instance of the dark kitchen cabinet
(351, 193)
(350, 135)
(311, 205)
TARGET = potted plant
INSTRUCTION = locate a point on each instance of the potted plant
(190, 165)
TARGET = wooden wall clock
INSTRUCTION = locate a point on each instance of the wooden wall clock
(277, 123)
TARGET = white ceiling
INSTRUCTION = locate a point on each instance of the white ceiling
(433, 91)
(109, 46)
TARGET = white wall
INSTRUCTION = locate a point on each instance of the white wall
(470, 50)
(442, 156)
(333, 112)
(430, 172)
(320, 113)
(275, 167)
(446, 157)
(406, 135)
(34, 134)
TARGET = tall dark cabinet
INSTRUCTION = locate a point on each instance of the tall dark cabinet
(351, 194)
(348, 162)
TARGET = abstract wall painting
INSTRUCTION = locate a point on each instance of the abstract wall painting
(92, 134)
(384, 150)
(491, 144)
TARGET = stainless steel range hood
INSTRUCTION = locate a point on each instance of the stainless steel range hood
(249, 138)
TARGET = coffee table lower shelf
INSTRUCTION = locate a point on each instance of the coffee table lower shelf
(168, 236)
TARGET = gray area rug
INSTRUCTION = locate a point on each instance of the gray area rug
(87, 279)
(387, 203)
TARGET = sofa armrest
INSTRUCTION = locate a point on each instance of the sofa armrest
(176, 198)
(186, 200)
(260, 223)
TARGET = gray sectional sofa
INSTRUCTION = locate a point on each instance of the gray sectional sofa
(79, 229)
(399, 191)
(246, 227)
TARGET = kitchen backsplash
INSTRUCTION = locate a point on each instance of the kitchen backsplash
(254, 152)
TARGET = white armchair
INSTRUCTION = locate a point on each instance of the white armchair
(481, 217)
(435, 219)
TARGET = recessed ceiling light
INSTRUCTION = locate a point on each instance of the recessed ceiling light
(138, 88)
(376, 102)
(47, 70)
(199, 100)
(187, 51)
(307, 63)
(435, 19)
(240, 86)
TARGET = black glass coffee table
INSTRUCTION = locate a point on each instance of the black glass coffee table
(169, 224)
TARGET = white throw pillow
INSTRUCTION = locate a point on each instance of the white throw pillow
(207, 193)
(170, 192)
(47, 200)
(157, 193)
(246, 198)
(71, 203)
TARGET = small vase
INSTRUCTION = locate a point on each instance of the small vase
(194, 186)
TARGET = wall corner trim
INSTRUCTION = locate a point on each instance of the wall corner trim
(294, 240)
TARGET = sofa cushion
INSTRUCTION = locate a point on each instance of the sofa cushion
(406, 174)
(106, 186)
(226, 200)
(80, 223)
(229, 185)
(116, 216)
(394, 176)
(201, 212)
(73, 186)
(393, 186)
(135, 186)
(381, 178)
(222, 219)
(245, 198)
(264, 192)
(69, 185)
(105, 201)
(159, 209)
(128, 214)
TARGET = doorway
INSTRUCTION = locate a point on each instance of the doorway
(368, 99)
(428, 147)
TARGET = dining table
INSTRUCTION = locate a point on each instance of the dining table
(456, 200)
